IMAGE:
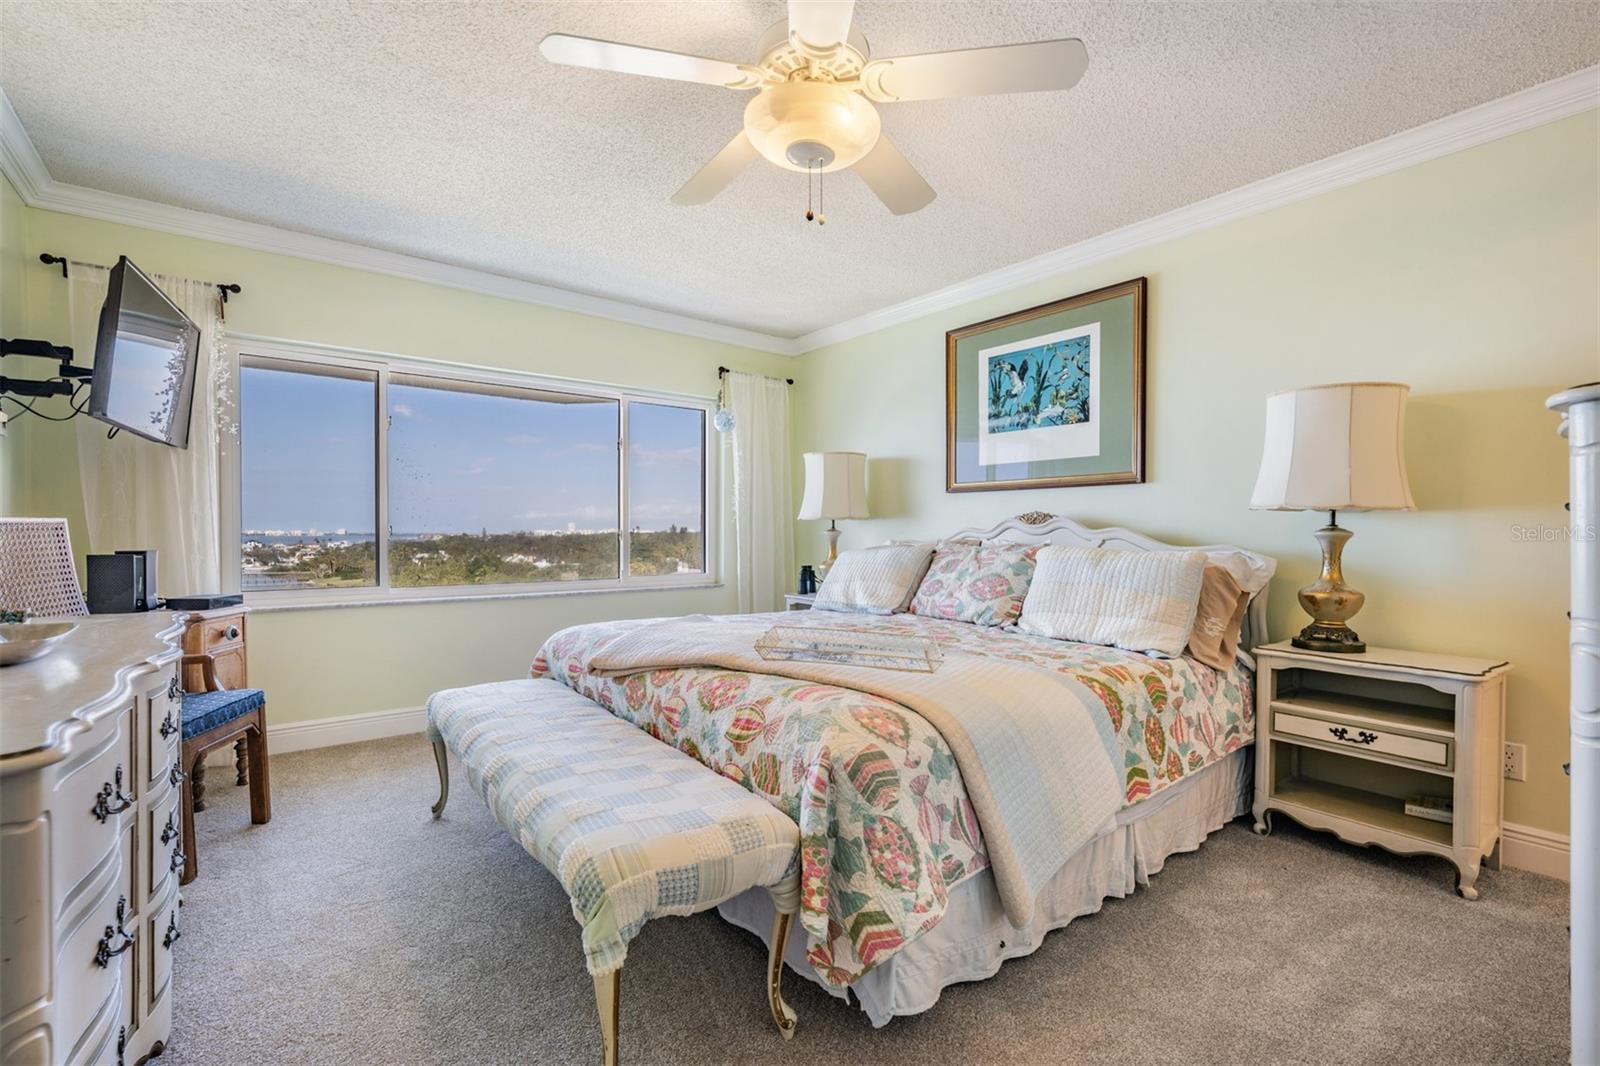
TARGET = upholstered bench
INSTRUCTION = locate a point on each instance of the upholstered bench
(632, 828)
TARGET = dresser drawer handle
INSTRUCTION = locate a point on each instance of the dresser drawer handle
(231, 633)
(172, 932)
(168, 726)
(178, 859)
(122, 1043)
(111, 800)
(115, 934)
(170, 832)
(177, 776)
(174, 689)
(1362, 736)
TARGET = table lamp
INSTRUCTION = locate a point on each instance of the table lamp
(836, 487)
(1334, 448)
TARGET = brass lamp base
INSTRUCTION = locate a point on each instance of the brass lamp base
(1318, 637)
(1328, 600)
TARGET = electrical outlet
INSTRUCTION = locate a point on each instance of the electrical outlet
(1516, 762)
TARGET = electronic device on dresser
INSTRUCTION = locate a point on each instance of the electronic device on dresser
(123, 582)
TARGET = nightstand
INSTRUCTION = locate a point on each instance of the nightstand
(1342, 741)
(796, 602)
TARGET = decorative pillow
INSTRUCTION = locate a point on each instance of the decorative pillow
(878, 580)
(1214, 640)
(1135, 600)
(979, 583)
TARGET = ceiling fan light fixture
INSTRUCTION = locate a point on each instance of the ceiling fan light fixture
(811, 126)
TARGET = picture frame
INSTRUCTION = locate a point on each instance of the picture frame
(1048, 397)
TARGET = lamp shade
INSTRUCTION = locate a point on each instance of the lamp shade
(1335, 448)
(836, 485)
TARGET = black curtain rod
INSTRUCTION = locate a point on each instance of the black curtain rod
(721, 370)
(223, 289)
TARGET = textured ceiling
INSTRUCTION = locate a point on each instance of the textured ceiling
(438, 130)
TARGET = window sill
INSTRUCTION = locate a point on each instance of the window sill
(273, 602)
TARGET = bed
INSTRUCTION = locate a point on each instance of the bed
(905, 889)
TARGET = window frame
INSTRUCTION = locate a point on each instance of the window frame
(247, 351)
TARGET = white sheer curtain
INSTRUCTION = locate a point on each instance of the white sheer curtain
(763, 516)
(140, 494)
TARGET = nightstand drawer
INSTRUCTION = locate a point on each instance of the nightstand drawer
(1363, 738)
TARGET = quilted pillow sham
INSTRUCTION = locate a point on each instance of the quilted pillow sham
(984, 584)
(1134, 600)
(878, 580)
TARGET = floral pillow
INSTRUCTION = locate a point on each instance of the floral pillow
(984, 584)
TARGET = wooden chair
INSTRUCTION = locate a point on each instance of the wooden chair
(211, 719)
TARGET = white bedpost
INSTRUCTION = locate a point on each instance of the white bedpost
(1580, 424)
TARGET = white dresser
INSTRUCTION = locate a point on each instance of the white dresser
(90, 844)
(1580, 424)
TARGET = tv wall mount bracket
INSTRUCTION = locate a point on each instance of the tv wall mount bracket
(67, 375)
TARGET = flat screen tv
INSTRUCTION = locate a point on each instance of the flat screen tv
(144, 360)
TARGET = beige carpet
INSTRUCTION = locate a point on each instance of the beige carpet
(355, 930)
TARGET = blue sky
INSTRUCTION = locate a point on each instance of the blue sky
(458, 461)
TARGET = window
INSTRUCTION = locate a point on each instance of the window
(363, 476)
(308, 478)
(496, 486)
(666, 471)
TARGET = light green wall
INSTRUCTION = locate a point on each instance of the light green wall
(320, 663)
(1472, 277)
(13, 298)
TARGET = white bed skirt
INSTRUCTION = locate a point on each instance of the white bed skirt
(975, 938)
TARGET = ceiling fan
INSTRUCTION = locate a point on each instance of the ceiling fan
(815, 86)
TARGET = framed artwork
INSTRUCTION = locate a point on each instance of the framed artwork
(1050, 396)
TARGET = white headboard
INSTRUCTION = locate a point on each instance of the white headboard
(1251, 569)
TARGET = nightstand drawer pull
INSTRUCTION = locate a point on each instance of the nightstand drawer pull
(1362, 736)
(168, 726)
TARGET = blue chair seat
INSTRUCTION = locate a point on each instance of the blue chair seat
(204, 711)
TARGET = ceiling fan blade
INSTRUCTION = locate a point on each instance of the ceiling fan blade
(821, 23)
(894, 180)
(717, 174)
(1007, 68)
(649, 62)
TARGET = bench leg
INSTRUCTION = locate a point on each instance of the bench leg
(443, 759)
(781, 1012)
(607, 995)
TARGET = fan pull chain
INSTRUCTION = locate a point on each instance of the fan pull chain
(809, 215)
(822, 219)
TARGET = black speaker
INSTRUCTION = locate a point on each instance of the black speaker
(148, 598)
(116, 583)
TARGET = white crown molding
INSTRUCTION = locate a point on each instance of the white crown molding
(1548, 102)
(1536, 106)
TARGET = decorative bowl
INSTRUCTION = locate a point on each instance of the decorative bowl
(21, 641)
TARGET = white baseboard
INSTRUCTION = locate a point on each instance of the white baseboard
(1536, 850)
(328, 732)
